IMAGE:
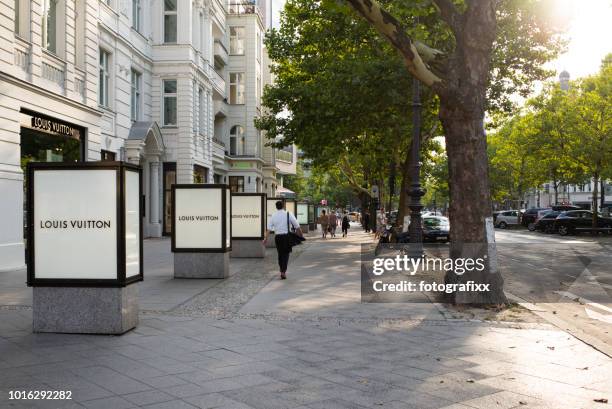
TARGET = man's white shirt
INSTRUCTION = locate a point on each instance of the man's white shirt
(278, 222)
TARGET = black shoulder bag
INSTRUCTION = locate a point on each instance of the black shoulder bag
(293, 239)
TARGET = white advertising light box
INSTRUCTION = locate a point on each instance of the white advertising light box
(302, 213)
(290, 206)
(201, 218)
(84, 224)
(248, 217)
(271, 206)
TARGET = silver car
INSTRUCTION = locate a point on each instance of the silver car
(507, 218)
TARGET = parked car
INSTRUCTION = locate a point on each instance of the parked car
(507, 218)
(530, 215)
(539, 215)
(436, 229)
(495, 214)
(431, 213)
(576, 221)
(392, 217)
(563, 208)
(353, 216)
(546, 222)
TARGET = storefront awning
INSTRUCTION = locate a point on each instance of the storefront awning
(284, 192)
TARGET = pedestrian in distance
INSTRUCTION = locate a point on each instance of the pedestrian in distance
(381, 221)
(333, 224)
(365, 221)
(345, 225)
(280, 223)
(324, 222)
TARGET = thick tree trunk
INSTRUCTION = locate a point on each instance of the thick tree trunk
(472, 234)
(556, 188)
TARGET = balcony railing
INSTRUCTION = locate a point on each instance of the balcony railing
(218, 141)
(243, 7)
(218, 81)
(22, 55)
(53, 69)
(221, 54)
(80, 85)
(284, 156)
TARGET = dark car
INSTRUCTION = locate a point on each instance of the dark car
(436, 229)
(575, 221)
(563, 208)
(546, 223)
(530, 215)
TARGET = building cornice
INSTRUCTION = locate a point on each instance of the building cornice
(244, 159)
(127, 43)
(25, 84)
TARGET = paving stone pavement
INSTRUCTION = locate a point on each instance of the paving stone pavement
(253, 341)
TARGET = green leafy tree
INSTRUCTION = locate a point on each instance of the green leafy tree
(513, 156)
(462, 75)
(589, 115)
(476, 54)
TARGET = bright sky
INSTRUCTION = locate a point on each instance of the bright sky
(589, 30)
(590, 34)
(277, 6)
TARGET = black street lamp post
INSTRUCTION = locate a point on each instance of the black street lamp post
(416, 192)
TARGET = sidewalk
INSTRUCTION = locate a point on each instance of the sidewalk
(253, 341)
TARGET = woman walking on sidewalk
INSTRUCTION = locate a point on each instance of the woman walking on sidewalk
(280, 222)
(324, 221)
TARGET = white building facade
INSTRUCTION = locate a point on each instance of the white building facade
(150, 82)
(575, 194)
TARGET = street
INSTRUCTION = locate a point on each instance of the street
(568, 280)
(254, 341)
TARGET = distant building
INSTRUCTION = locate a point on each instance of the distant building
(564, 79)
(579, 195)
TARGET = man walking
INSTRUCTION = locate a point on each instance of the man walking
(280, 223)
(365, 220)
(345, 225)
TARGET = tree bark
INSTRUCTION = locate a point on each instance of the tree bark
(462, 111)
(470, 212)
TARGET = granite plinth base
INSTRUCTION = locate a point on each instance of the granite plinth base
(270, 243)
(201, 265)
(85, 310)
(248, 249)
